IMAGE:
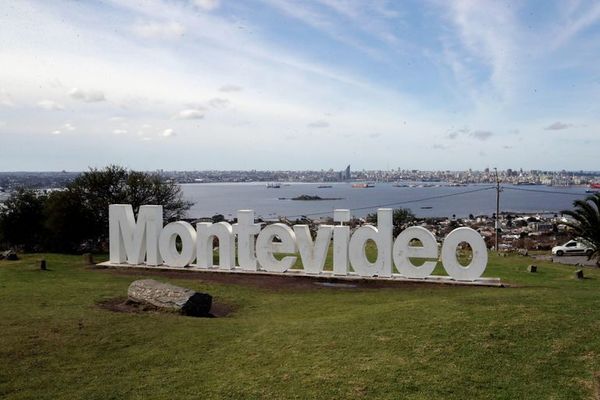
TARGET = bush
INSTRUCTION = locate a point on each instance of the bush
(76, 219)
(21, 220)
(401, 217)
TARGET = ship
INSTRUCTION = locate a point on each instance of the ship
(273, 185)
(363, 185)
(594, 185)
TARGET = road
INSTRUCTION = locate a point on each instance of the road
(568, 260)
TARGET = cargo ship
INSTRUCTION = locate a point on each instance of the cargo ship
(594, 185)
(363, 185)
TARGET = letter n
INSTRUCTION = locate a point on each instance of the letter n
(132, 241)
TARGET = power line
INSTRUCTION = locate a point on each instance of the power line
(398, 202)
(544, 191)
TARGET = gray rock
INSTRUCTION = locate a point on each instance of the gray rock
(579, 274)
(170, 297)
(532, 268)
(9, 255)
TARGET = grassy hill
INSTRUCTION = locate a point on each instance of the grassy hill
(538, 339)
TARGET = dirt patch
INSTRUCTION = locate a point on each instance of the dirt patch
(274, 282)
(124, 305)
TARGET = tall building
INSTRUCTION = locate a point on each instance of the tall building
(346, 173)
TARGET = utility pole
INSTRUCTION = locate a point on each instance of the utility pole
(497, 222)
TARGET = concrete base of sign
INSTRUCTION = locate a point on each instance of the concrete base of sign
(492, 282)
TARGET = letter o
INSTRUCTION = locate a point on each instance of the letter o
(480, 256)
(167, 244)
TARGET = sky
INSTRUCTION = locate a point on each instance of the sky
(299, 84)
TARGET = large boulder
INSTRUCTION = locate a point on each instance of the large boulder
(9, 255)
(170, 297)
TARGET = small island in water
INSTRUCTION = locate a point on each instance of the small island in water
(306, 197)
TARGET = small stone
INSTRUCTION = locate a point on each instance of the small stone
(532, 268)
(43, 265)
(579, 274)
(88, 259)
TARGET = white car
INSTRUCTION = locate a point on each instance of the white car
(572, 247)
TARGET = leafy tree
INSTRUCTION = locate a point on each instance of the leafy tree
(97, 189)
(218, 218)
(21, 220)
(68, 223)
(586, 222)
(401, 218)
(66, 220)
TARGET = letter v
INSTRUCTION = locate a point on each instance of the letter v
(313, 255)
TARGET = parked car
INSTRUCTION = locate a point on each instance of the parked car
(572, 247)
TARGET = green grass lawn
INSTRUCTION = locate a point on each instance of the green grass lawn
(538, 340)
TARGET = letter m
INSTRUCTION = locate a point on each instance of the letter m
(132, 241)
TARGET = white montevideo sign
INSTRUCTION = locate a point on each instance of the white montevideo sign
(146, 242)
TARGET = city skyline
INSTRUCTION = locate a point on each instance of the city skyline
(285, 85)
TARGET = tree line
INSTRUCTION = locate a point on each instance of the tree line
(76, 219)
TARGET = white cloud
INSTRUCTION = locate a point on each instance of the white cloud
(69, 127)
(6, 99)
(120, 131)
(56, 132)
(309, 15)
(207, 5)
(557, 126)
(218, 102)
(190, 114)
(318, 124)
(230, 88)
(575, 25)
(489, 36)
(158, 30)
(168, 132)
(50, 105)
(481, 135)
(88, 96)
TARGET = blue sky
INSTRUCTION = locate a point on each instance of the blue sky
(289, 84)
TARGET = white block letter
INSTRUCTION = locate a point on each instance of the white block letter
(403, 251)
(130, 240)
(313, 255)
(246, 229)
(341, 237)
(265, 247)
(167, 243)
(480, 256)
(382, 236)
(205, 234)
